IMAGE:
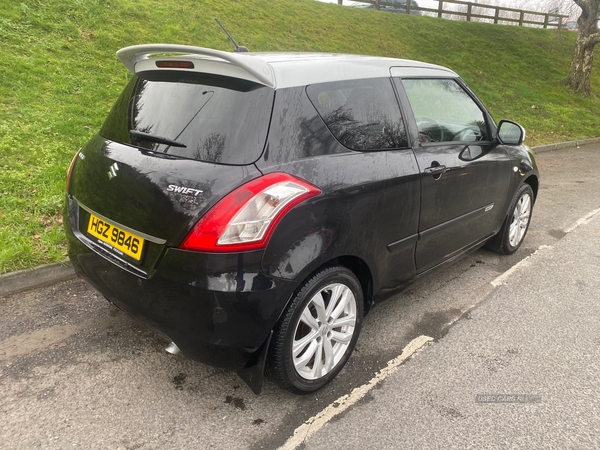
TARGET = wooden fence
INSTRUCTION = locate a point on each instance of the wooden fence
(498, 14)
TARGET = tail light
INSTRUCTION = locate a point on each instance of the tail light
(245, 218)
(71, 170)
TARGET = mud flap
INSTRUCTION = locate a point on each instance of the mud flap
(253, 373)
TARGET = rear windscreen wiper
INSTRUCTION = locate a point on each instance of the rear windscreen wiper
(154, 138)
(158, 154)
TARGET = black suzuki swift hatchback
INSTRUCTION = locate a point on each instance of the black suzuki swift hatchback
(254, 206)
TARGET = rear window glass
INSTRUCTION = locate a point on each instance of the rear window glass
(362, 115)
(203, 117)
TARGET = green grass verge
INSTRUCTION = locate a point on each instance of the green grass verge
(60, 78)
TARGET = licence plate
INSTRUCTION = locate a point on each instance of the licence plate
(118, 240)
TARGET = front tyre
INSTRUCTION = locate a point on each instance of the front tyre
(317, 331)
(511, 235)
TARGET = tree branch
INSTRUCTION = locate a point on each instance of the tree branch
(591, 39)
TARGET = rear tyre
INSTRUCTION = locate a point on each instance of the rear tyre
(513, 231)
(317, 332)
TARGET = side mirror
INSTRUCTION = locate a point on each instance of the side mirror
(510, 133)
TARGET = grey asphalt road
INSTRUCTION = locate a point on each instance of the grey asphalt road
(76, 373)
(522, 371)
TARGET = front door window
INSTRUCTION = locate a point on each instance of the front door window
(445, 112)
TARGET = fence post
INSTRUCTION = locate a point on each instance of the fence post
(340, 2)
(408, 6)
(521, 18)
(496, 15)
(376, 4)
(546, 19)
(469, 9)
(440, 8)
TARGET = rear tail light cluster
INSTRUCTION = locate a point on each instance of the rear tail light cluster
(245, 218)
(70, 171)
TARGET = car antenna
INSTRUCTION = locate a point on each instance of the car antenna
(237, 48)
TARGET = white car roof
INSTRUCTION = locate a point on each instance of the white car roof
(277, 70)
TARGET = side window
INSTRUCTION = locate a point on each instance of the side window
(297, 131)
(362, 115)
(445, 112)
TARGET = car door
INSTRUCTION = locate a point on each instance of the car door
(464, 174)
(349, 139)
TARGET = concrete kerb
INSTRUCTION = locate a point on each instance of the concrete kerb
(562, 145)
(23, 280)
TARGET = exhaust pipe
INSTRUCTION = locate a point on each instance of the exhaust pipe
(173, 349)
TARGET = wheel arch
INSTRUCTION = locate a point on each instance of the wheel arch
(533, 182)
(361, 270)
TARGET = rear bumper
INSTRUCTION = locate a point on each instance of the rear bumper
(218, 308)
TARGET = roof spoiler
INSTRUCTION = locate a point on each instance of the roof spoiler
(255, 68)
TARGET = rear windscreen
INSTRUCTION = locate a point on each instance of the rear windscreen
(195, 116)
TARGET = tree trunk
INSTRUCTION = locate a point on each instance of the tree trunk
(581, 67)
(587, 38)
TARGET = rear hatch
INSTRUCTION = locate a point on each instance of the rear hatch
(173, 145)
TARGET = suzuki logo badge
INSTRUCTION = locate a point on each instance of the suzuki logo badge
(113, 171)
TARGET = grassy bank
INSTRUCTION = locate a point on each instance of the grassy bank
(60, 77)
